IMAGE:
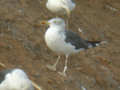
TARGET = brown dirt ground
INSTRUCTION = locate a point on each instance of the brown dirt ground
(22, 44)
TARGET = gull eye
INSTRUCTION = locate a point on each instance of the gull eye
(55, 21)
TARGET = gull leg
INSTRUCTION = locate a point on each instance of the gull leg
(67, 21)
(56, 16)
(53, 67)
(68, 12)
(3, 65)
(63, 73)
(36, 86)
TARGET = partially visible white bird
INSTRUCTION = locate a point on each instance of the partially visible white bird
(15, 79)
(60, 6)
(63, 41)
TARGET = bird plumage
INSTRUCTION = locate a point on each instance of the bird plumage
(15, 79)
(63, 41)
(3, 74)
(60, 6)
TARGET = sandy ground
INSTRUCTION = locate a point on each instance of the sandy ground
(22, 44)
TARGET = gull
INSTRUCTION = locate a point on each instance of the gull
(61, 6)
(7, 71)
(15, 79)
(65, 42)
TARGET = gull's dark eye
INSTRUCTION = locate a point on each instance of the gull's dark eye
(55, 21)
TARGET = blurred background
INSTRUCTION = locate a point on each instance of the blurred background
(22, 44)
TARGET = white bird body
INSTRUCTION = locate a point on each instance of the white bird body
(16, 80)
(55, 40)
(60, 6)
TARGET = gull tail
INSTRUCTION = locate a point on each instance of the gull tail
(95, 43)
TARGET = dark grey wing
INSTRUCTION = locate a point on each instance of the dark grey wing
(3, 74)
(75, 39)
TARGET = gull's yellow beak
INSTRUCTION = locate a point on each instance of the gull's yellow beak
(45, 23)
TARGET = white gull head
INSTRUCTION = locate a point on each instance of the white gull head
(57, 22)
